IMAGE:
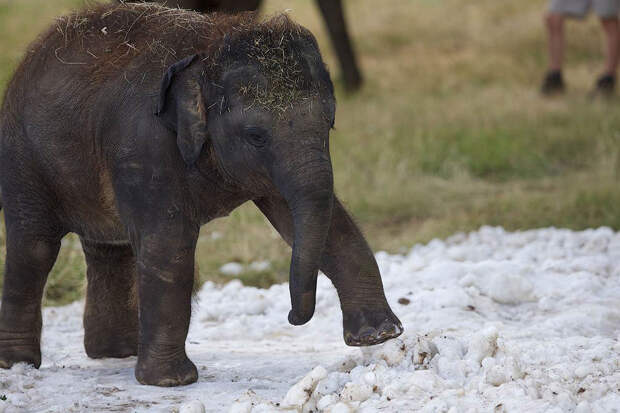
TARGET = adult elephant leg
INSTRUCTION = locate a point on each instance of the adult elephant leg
(198, 5)
(333, 14)
(111, 313)
(204, 6)
(234, 6)
(32, 245)
(350, 265)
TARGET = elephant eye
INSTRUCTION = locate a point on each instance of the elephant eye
(256, 136)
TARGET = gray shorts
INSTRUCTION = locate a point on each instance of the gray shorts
(579, 8)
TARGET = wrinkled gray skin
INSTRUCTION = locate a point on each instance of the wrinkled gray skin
(134, 151)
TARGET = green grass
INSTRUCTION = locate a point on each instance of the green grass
(448, 134)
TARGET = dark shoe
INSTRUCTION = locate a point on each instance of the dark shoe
(553, 83)
(605, 86)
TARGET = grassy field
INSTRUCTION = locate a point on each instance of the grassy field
(448, 134)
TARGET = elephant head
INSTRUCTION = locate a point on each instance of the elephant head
(262, 100)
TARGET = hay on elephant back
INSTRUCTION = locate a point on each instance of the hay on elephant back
(285, 53)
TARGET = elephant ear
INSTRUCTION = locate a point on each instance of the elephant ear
(181, 108)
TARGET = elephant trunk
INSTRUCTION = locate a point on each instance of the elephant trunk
(309, 196)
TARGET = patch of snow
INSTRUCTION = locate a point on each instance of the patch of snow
(215, 235)
(260, 265)
(494, 321)
(300, 393)
(231, 268)
(195, 406)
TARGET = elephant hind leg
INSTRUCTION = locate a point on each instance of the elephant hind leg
(111, 315)
(32, 245)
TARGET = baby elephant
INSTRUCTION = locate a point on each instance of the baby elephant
(132, 125)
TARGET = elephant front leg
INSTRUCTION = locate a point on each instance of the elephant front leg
(350, 265)
(165, 273)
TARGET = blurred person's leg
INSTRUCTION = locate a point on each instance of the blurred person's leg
(608, 10)
(554, 21)
(612, 38)
(555, 32)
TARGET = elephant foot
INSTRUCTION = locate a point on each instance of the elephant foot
(18, 348)
(367, 327)
(166, 372)
(110, 346)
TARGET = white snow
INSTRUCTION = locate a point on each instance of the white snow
(260, 265)
(231, 268)
(494, 321)
(300, 393)
(195, 406)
